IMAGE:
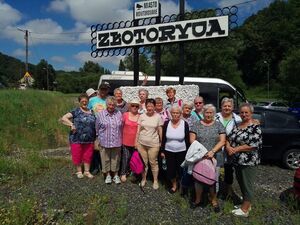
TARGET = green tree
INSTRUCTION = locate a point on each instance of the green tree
(145, 64)
(289, 77)
(121, 65)
(45, 75)
(91, 67)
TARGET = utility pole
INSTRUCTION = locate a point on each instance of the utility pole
(26, 47)
(268, 77)
(181, 44)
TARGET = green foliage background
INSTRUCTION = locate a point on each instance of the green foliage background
(264, 44)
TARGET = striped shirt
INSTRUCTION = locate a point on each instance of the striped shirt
(109, 128)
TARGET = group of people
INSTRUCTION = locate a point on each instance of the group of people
(166, 131)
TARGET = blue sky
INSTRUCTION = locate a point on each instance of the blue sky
(60, 29)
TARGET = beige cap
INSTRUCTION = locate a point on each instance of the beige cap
(134, 101)
(90, 91)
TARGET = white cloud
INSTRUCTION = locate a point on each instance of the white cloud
(58, 6)
(8, 15)
(20, 52)
(83, 57)
(95, 11)
(58, 59)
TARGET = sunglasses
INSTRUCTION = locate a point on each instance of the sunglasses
(136, 106)
(198, 103)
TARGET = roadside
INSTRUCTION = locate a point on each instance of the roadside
(58, 197)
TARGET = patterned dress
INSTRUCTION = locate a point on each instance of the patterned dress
(250, 135)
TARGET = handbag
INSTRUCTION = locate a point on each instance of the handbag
(205, 171)
(136, 163)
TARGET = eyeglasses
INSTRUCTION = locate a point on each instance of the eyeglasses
(136, 106)
(198, 103)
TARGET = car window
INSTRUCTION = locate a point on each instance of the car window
(258, 117)
(279, 104)
(262, 103)
(280, 120)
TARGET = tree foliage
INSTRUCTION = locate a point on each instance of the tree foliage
(289, 76)
(45, 75)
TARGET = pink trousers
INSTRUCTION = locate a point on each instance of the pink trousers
(82, 153)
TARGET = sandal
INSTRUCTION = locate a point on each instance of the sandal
(88, 174)
(79, 175)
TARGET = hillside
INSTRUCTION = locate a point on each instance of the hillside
(12, 70)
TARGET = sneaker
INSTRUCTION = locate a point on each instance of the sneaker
(116, 179)
(239, 206)
(108, 179)
(240, 213)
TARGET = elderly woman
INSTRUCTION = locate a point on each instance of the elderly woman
(211, 134)
(198, 104)
(187, 108)
(229, 120)
(159, 109)
(109, 129)
(148, 140)
(243, 145)
(82, 135)
(172, 101)
(143, 95)
(122, 105)
(175, 142)
(130, 124)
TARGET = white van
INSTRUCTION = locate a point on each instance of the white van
(211, 89)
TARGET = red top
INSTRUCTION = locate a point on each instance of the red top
(129, 130)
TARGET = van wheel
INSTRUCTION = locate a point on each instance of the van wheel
(291, 159)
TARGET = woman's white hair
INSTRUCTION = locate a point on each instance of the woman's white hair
(226, 99)
(176, 108)
(209, 106)
(189, 104)
(246, 104)
(110, 99)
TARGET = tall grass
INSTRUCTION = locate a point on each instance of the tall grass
(28, 124)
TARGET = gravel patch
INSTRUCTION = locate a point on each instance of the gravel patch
(60, 192)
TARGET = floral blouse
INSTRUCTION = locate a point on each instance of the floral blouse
(250, 135)
(85, 127)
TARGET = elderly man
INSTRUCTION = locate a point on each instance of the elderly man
(98, 103)
(198, 104)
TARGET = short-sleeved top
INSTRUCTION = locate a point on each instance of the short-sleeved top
(197, 115)
(250, 135)
(190, 120)
(97, 104)
(129, 130)
(149, 125)
(85, 127)
(109, 128)
(208, 136)
(175, 138)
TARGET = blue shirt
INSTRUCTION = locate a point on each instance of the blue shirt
(85, 127)
(97, 104)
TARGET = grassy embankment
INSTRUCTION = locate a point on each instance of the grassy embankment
(29, 123)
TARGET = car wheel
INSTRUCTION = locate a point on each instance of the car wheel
(291, 158)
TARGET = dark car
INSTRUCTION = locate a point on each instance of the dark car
(281, 136)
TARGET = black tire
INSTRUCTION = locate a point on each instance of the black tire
(291, 159)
